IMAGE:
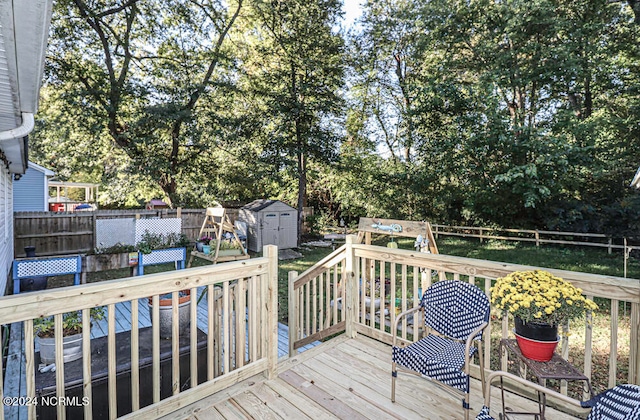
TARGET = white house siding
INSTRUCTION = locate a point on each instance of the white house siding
(6, 227)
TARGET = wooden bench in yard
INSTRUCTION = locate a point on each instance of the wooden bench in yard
(53, 266)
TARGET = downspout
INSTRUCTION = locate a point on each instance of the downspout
(23, 130)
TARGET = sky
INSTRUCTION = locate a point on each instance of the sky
(352, 11)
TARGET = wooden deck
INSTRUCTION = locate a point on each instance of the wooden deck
(123, 323)
(15, 382)
(346, 379)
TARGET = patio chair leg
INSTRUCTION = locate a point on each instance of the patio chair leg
(481, 363)
(394, 375)
(466, 407)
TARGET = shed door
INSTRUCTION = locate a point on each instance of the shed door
(270, 224)
(288, 229)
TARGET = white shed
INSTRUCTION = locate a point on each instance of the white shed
(270, 222)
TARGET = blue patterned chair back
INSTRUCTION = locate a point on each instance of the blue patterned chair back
(455, 308)
(619, 403)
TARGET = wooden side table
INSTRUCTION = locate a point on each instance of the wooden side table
(556, 368)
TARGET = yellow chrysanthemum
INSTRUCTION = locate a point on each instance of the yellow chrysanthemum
(539, 295)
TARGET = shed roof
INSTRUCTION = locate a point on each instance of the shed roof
(257, 205)
(262, 204)
(157, 202)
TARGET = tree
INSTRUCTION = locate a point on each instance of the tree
(140, 71)
(511, 104)
(298, 71)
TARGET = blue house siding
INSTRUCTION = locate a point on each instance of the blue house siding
(30, 191)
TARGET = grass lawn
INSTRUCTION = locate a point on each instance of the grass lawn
(573, 258)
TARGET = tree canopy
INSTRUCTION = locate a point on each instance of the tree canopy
(511, 113)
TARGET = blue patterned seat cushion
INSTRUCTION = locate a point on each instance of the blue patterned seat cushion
(436, 357)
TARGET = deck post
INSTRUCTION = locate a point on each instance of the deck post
(293, 306)
(271, 301)
(634, 356)
(350, 304)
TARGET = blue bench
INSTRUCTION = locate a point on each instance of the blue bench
(37, 267)
(161, 256)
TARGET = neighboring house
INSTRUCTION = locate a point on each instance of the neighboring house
(72, 196)
(24, 29)
(31, 191)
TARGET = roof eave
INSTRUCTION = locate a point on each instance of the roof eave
(24, 30)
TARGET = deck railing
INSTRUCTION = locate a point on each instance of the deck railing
(241, 336)
(364, 287)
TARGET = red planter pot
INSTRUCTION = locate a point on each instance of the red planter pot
(536, 341)
(540, 351)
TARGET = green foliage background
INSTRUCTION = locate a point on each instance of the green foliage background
(518, 113)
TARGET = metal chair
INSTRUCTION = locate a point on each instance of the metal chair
(619, 403)
(456, 314)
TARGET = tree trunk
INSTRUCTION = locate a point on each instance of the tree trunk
(302, 179)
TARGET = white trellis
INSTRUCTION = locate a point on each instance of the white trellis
(112, 231)
(129, 231)
(157, 226)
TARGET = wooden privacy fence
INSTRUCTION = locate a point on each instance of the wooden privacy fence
(240, 340)
(360, 289)
(59, 233)
(533, 236)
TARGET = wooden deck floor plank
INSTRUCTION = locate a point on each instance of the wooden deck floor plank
(373, 348)
(123, 317)
(15, 378)
(369, 389)
(257, 409)
(335, 406)
(411, 400)
(209, 414)
(276, 402)
(231, 411)
(347, 380)
(352, 394)
(376, 354)
(359, 353)
(311, 408)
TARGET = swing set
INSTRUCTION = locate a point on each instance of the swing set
(420, 231)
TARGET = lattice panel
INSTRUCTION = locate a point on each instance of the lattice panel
(112, 231)
(163, 256)
(47, 267)
(157, 226)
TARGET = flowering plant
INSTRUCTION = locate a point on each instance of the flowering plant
(205, 239)
(226, 244)
(539, 296)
